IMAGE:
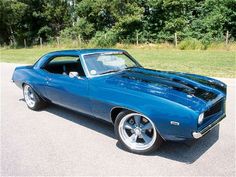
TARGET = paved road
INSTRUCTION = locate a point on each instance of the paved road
(57, 141)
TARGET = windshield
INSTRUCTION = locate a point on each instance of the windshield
(103, 63)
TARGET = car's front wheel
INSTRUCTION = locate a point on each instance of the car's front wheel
(32, 100)
(137, 133)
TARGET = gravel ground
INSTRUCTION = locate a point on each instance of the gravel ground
(57, 142)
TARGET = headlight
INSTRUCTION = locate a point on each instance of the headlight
(200, 118)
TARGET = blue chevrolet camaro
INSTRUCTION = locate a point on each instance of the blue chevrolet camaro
(145, 106)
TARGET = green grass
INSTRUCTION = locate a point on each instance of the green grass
(218, 63)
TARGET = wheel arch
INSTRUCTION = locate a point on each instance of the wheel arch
(117, 109)
(35, 90)
(23, 83)
(26, 83)
(114, 112)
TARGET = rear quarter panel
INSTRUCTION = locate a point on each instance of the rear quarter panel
(36, 78)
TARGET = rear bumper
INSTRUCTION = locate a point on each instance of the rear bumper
(199, 134)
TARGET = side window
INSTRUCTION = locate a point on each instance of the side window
(63, 59)
(65, 65)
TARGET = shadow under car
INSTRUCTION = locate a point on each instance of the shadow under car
(186, 151)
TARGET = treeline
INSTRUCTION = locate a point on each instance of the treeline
(107, 22)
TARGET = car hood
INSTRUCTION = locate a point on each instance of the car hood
(194, 91)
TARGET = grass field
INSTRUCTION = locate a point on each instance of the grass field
(218, 63)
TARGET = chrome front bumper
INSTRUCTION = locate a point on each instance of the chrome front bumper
(199, 134)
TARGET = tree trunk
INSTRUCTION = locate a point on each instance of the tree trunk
(12, 36)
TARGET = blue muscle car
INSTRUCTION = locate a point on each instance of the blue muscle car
(145, 106)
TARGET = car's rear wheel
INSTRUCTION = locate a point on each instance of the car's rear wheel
(33, 101)
(137, 133)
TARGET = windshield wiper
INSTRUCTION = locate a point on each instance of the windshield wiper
(117, 70)
(109, 71)
(130, 67)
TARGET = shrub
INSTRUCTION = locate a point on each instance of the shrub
(82, 28)
(191, 44)
(105, 39)
(45, 32)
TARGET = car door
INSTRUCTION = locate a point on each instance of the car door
(70, 92)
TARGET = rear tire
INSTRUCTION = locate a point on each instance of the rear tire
(137, 133)
(33, 101)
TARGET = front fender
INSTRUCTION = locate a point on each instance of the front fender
(160, 110)
(173, 121)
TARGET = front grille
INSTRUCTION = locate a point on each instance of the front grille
(214, 109)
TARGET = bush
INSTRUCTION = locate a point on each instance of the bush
(69, 33)
(45, 32)
(105, 39)
(191, 44)
(82, 28)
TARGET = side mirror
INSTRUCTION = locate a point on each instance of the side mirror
(73, 74)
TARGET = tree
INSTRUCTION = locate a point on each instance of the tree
(153, 20)
(57, 17)
(123, 17)
(12, 12)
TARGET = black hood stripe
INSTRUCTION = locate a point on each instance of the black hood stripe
(167, 80)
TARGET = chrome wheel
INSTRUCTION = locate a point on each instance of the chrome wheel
(29, 96)
(137, 131)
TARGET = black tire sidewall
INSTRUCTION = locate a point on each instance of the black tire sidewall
(154, 147)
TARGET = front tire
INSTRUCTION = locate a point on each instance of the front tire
(137, 133)
(33, 101)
